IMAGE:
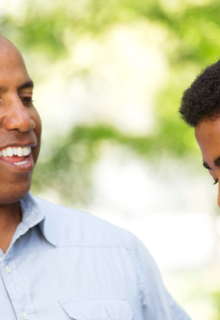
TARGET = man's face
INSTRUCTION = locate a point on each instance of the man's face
(208, 137)
(20, 126)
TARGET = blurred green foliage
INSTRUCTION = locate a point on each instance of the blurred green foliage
(191, 41)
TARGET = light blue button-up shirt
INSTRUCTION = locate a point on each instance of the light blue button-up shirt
(66, 264)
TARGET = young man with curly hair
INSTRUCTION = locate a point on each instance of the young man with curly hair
(200, 109)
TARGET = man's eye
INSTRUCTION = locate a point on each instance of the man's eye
(215, 181)
(26, 100)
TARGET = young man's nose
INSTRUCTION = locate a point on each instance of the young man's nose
(18, 117)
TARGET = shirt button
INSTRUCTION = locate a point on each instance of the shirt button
(8, 269)
(25, 315)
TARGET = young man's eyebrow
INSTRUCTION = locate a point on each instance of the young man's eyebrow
(206, 165)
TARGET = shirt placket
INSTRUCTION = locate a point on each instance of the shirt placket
(17, 291)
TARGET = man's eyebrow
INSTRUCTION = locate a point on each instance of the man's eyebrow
(28, 84)
(216, 163)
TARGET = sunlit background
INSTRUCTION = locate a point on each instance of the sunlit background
(109, 76)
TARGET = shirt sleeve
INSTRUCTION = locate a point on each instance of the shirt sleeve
(157, 303)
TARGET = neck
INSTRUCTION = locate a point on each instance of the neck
(10, 217)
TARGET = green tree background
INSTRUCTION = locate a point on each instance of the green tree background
(189, 31)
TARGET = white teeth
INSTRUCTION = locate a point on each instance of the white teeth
(9, 152)
(16, 151)
(20, 163)
(20, 152)
(26, 151)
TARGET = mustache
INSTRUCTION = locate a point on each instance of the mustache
(16, 138)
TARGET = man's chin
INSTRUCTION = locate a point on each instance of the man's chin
(14, 194)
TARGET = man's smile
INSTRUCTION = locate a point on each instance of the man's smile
(17, 156)
(15, 151)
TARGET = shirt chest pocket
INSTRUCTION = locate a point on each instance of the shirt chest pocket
(98, 309)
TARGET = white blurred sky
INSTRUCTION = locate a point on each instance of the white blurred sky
(124, 75)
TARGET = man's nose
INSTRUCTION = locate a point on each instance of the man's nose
(18, 117)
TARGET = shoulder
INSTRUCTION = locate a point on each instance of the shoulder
(76, 228)
(80, 228)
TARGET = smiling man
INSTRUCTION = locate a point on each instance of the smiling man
(20, 130)
(57, 263)
(201, 109)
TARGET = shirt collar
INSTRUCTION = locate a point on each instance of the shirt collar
(33, 215)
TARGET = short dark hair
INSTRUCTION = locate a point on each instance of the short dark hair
(202, 98)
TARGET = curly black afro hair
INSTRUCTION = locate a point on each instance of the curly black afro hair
(202, 98)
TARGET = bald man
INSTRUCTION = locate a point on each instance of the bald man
(57, 263)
